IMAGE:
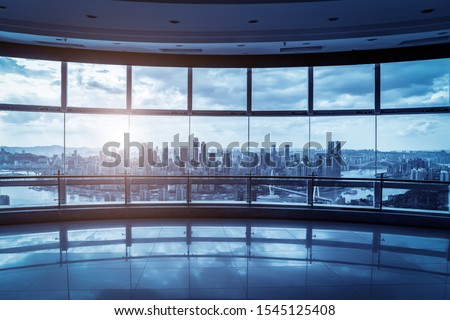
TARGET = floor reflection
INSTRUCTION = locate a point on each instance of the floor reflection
(222, 259)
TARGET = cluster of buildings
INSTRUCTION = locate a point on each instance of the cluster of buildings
(417, 167)
(203, 160)
(29, 162)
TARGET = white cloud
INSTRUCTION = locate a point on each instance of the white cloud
(219, 89)
(31, 82)
(101, 86)
(160, 88)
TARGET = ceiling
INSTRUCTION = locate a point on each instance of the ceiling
(226, 27)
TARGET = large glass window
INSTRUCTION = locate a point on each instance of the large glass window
(219, 89)
(31, 143)
(344, 146)
(221, 144)
(415, 84)
(96, 86)
(414, 147)
(159, 146)
(30, 82)
(280, 89)
(280, 147)
(86, 137)
(159, 88)
(32, 146)
(344, 87)
(164, 140)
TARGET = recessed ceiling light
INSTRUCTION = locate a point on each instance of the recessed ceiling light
(253, 21)
(91, 16)
(427, 10)
(333, 19)
(372, 39)
(174, 21)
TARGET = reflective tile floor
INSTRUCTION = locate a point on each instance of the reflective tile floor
(222, 259)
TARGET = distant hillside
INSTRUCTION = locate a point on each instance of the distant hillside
(50, 150)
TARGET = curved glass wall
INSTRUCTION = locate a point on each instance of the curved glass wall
(371, 136)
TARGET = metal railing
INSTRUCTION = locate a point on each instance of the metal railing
(423, 195)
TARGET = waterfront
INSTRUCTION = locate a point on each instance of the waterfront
(22, 196)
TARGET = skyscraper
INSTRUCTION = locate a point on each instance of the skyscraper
(333, 159)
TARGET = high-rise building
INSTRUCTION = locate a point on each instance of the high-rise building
(333, 160)
(4, 200)
(422, 174)
(414, 174)
(287, 154)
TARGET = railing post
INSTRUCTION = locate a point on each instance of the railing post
(381, 191)
(59, 189)
(249, 189)
(62, 190)
(377, 194)
(310, 190)
(188, 190)
(127, 189)
(448, 195)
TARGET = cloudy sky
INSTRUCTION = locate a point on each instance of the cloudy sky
(404, 85)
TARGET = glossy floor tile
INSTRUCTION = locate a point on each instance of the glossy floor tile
(222, 259)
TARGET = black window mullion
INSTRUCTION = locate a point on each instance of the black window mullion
(249, 91)
(129, 88)
(310, 91)
(377, 88)
(63, 86)
(189, 89)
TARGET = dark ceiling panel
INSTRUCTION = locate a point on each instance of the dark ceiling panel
(226, 61)
(418, 42)
(226, 1)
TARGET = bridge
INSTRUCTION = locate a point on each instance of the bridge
(316, 193)
(373, 164)
(30, 171)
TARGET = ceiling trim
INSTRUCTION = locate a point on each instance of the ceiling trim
(435, 51)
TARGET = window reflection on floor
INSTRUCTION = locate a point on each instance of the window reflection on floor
(222, 259)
